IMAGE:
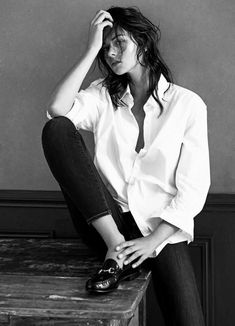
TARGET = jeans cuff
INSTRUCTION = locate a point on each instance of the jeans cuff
(95, 217)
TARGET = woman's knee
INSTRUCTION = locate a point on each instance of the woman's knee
(56, 128)
(56, 124)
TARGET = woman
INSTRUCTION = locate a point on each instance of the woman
(150, 177)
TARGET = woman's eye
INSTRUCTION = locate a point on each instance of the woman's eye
(119, 41)
(118, 44)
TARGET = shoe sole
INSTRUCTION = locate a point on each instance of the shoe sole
(131, 276)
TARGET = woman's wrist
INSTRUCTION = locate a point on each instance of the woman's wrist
(91, 51)
(162, 232)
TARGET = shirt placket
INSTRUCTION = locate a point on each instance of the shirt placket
(146, 131)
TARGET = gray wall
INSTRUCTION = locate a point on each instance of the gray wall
(41, 39)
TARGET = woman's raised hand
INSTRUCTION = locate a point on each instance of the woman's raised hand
(97, 25)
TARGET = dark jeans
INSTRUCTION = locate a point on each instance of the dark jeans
(88, 199)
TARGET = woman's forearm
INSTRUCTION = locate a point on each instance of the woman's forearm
(143, 247)
(64, 95)
(163, 232)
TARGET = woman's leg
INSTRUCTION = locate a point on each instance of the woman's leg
(89, 202)
(86, 232)
(175, 286)
(174, 281)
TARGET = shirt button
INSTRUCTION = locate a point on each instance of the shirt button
(142, 152)
(131, 180)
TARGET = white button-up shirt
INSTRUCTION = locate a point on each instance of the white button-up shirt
(169, 178)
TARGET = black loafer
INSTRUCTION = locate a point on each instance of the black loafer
(108, 277)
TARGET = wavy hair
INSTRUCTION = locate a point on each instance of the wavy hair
(147, 36)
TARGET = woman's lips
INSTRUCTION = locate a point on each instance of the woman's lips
(115, 63)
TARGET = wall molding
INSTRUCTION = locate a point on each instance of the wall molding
(205, 245)
(47, 198)
(32, 198)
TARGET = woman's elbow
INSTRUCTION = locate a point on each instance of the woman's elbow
(57, 110)
(53, 111)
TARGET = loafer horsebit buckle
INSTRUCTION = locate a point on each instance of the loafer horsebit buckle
(111, 270)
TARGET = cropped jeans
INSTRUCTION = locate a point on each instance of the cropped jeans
(88, 199)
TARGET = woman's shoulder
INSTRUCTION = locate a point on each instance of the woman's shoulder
(97, 86)
(97, 89)
(98, 83)
(188, 99)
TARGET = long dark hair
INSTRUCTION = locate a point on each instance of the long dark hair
(147, 36)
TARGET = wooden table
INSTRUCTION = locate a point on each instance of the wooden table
(42, 282)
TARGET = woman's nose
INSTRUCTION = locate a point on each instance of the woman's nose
(112, 52)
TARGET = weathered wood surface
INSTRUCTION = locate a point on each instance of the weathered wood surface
(26, 321)
(42, 282)
(22, 321)
(65, 257)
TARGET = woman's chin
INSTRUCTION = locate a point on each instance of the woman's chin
(119, 72)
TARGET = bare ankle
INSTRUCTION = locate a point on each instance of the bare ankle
(113, 254)
(108, 230)
(115, 242)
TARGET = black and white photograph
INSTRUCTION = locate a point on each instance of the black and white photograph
(117, 178)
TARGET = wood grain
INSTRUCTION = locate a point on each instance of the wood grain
(42, 282)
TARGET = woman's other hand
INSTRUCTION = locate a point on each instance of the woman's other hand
(101, 20)
(138, 249)
(142, 248)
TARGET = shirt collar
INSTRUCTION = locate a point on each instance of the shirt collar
(163, 85)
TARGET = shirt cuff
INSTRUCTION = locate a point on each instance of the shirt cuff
(184, 223)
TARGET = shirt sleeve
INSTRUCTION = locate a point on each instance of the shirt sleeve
(192, 175)
(85, 111)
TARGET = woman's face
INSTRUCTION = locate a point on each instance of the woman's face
(120, 52)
